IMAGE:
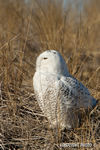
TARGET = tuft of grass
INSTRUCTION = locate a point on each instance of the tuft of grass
(26, 30)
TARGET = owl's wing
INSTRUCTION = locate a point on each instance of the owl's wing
(75, 94)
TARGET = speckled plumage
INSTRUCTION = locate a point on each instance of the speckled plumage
(61, 97)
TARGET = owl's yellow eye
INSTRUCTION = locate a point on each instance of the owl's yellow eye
(45, 58)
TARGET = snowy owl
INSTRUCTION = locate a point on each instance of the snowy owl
(61, 97)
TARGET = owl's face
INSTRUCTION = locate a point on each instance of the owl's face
(51, 62)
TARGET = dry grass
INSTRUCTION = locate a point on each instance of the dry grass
(26, 31)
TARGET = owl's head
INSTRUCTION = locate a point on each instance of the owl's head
(52, 62)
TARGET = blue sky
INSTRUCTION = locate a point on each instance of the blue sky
(74, 3)
(79, 2)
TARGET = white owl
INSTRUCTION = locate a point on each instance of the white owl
(61, 97)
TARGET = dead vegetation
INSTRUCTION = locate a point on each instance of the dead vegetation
(27, 29)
